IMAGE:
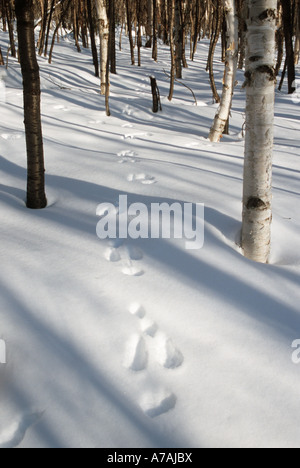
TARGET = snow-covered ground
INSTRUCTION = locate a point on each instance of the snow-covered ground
(143, 343)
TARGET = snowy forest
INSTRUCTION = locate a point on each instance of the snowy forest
(149, 194)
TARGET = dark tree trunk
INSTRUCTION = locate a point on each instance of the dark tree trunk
(93, 40)
(178, 39)
(43, 28)
(112, 37)
(36, 197)
(129, 25)
(10, 28)
(288, 34)
(155, 95)
(139, 40)
(280, 46)
(49, 26)
(1, 58)
(213, 44)
(154, 52)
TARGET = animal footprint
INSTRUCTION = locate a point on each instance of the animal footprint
(128, 111)
(137, 310)
(127, 157)
(11, 136)
(155, 404)
(112, 255)
(136, 357)
(61, 107)
(142, 178)
(149, 327)
(166, 353)
(119, 251)
(15, 433)
(132, 270)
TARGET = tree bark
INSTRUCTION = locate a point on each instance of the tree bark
(112, 38)
(288, 34)
(231, 61)
(154, 51)
(93, 40)
(213, 44)
(36, 197)
(178, 39)
(43, 27)
(104, 42)
(49, 27)
(260, 86)
(10, 28)
(173, 60)
(129, 25)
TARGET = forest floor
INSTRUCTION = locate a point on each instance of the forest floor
(143, 343)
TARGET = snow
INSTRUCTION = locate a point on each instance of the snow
(143, 343)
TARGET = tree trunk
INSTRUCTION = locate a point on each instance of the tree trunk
(231, 61)
(154, 51)
(1, 58)
(93, 40)
(129, 25)
(36, 197)
(49, 27)
(173, 61)
(112, 38)
(104, 41)
(260, 79)
(10, 28)
(178, 39)
(149, 25)
(288, 34)
(213, 45)
(43, 27)
(139, 39)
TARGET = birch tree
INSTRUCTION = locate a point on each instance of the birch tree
(104, 42)
(260, 85)
(36, 197)
(231, 62)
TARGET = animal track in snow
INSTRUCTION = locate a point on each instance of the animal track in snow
(137, 310)
(132, 270)
(136, 356)
(61, 107)
(152, 344)
(131, 136)
(144, 179)
(166, 353)
(127, 254)
(128, 111)
(15, 433)
(127, 157)
(155, 404)
(11, 136)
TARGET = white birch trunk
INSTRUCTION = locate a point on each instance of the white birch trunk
(260, 85)
(104, 39)
(231, 62)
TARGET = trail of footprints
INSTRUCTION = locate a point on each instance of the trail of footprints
(126, 254)
(151, 344)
